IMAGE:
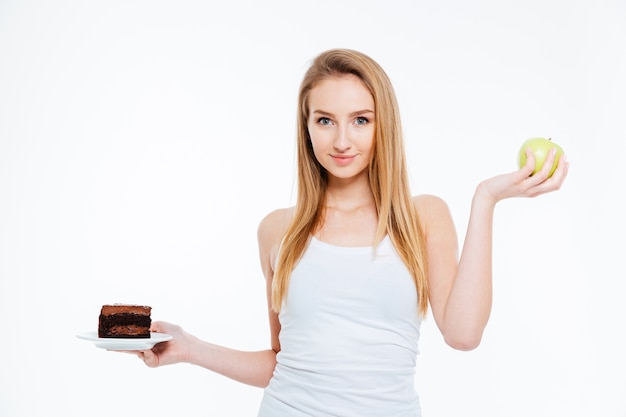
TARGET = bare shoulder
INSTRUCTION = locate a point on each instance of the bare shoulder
(274, 224)
(270, 233)
(433, 212)
(429, 206)
(429, 202)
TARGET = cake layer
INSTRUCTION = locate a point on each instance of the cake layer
(125, 332)
(125, 319)
(109, 309)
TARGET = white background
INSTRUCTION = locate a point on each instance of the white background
(141, 142)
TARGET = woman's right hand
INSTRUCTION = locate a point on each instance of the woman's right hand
(173, 351)
(252, 368)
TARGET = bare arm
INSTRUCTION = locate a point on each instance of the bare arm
(252, 368)
(461, 293)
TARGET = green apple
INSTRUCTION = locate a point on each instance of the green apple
(540, 147)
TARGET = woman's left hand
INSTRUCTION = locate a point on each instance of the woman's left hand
(522, 184)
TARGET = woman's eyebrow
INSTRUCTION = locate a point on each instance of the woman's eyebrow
(360, 112)
(322, 112)
(354, 113)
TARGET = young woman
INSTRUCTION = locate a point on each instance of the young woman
(352, 268)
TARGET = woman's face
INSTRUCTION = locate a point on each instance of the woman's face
(341, 126)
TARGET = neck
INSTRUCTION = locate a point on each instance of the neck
(347, 195)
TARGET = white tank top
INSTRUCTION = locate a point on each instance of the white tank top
(349, 333)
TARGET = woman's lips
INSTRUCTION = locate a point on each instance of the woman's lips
(343, 160)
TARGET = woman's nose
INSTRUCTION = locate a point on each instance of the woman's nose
(342, 139)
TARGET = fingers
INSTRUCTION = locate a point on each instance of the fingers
(156, 327)
(561, 169)
(164, 327)
(548, 164)
(149, 358)
(535, 179)
(529, 167)
(131, 352)
(547, 184)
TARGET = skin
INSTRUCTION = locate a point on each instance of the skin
(341, 127)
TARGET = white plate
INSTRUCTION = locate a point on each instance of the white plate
(124, 344)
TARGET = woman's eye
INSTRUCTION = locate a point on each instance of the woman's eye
(324, 121)
(361, 121)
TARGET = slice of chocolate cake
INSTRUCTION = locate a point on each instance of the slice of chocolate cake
(125, 321)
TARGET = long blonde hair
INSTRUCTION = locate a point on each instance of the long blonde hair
(397, 215)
